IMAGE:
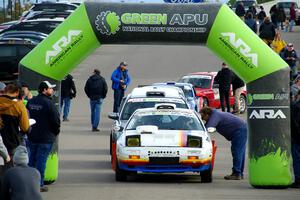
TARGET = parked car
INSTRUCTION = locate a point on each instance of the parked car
(5, 25)
(142, 97)
(40, 25)
(49, 7)
(49, 15)
(188, 90)
(12, 50)
(209, 91)
(164, 139)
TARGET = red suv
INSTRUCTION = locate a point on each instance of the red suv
(205, 88)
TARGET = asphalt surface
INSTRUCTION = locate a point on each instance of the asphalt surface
(84, 168)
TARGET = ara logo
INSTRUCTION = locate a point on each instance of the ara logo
(267, 114)
(108, 22)
(63, 42)
(244, 49)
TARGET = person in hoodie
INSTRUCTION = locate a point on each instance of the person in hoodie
(223, 78)
(14, 119)
(120, 81)
(295, 138)
(251, 23)
(96, 89)
(43, 134)
(21, 182)
(267, 31)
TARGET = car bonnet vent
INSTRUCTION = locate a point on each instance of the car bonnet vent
(155, 94)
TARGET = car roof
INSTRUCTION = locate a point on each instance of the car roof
(23, 33)
(17, 41)
(174, 84)
(49, 15)
(168, 92)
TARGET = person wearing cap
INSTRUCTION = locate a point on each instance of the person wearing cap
(295, 139)
(14, 119)
(43, 134)
(68, 92)
(223, 78)
(290, 56)
(21, 182)
(96, 89)
(261, 15)
(120, 80)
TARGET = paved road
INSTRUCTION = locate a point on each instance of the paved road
(84, 168)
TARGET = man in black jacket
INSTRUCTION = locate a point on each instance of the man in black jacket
(295, 133)
(68, 91)
(223, 78)
(96, 90)
(44, 132)
(237, 87)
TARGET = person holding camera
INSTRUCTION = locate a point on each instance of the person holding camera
(120, 81)
(68, 92)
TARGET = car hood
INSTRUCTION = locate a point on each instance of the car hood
(167, 138)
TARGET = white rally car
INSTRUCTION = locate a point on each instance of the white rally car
(164, 139)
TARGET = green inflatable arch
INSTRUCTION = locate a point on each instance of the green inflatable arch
(216, 26)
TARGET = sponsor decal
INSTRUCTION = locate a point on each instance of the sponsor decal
(63, 46)
(267, 114)
(109, 22)
(241, 50)
(265, 97)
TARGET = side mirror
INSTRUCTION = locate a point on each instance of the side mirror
(211, 129)
(118, 128)
(114, 116)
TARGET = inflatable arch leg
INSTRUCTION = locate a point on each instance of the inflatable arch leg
(214, 25)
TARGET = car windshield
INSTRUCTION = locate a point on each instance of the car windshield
(132, 106)
(198, 81)
(166, 121)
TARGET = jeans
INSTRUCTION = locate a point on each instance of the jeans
(95, 112)
(238, 150)
(296, 160)
(224, 95)
(292, 24)
(38, 157)
(118, 96)
(66, 103)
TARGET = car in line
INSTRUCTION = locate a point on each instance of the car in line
(164, 139)
(188, 90)
(5, 25)
(12, 50)
(49, 15)
(142, 97)
(205, 86)
(31, 35)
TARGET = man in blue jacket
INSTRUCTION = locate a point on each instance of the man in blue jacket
(120, 81)
(233, 129)
(44, 132)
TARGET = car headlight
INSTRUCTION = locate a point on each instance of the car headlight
(133, 141)
(194, 141)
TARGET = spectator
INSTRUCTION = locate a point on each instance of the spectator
(292, 17)
(252, 10)
(295, 87)
(287, 24)
(26, 92)
(44, 132)
(281, 17)
(251, 23)
(120, 81)
(240, 10)
(261, 15)
(223, 78)
(4, 158)
(295, 136)
(274, 15)
(233, 129)
(14, 119)
(278, 43)
(21, 182)
(2, 88)
(68, 91)
(290, 56)
(96, 90)
(267, 31)
(237, 86)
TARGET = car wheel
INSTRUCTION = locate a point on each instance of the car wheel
(120, 175)
(205, 102)
(206, 176)
(243, 104)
